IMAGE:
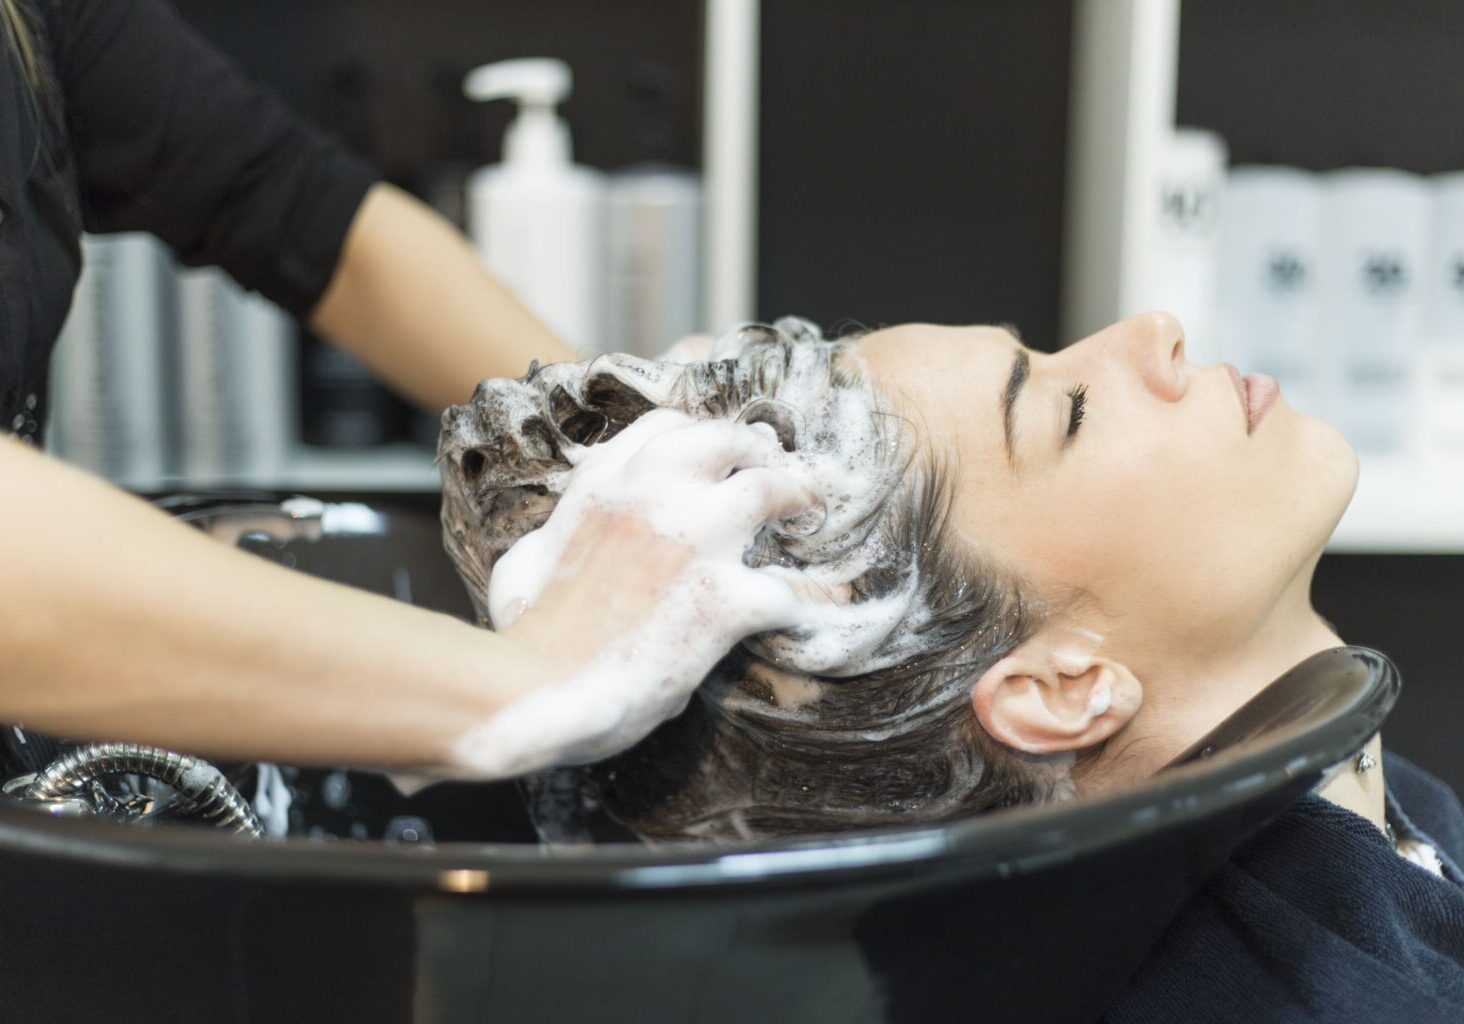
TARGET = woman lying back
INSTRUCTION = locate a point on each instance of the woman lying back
(1041, 575)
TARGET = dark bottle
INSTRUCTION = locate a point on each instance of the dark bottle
(342, 404)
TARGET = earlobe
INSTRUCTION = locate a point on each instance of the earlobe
(1044, 701)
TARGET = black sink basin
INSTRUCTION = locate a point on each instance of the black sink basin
(1032, 915)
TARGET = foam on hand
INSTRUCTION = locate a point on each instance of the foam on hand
(701, 486)
(660, 486)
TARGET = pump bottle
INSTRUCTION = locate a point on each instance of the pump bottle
(537, 218)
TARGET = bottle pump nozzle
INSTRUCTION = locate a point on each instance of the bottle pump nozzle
(539, 85)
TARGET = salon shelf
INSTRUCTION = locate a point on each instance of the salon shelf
(391, 469)
(1404, 508)
(394, 468)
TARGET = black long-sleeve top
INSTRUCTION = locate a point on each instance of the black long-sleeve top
(142, 126)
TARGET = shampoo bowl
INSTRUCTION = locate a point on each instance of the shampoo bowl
(1031, 915)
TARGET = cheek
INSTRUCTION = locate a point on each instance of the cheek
(1158, 512)
(1150, 520)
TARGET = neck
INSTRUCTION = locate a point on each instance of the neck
(1184, 701)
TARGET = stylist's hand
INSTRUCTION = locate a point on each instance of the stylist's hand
(635, 588)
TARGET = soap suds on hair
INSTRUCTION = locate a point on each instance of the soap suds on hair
(512, 454)
(703, 486)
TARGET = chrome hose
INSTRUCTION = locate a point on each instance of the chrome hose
(202, 790)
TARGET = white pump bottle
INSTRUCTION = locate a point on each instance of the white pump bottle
(538, 219)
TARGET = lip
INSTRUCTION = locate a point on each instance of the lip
(1261, 393)
(1257, 393)
(1235, 379)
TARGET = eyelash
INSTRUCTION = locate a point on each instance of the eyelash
(1079, 396)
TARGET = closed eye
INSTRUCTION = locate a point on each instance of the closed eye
(1079, 397)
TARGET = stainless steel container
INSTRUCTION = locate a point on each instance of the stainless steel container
(108, 390)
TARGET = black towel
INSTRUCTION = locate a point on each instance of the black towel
(1317, 918)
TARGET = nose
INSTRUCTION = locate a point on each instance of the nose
(1152, 344)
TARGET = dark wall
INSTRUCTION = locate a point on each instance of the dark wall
(397, 49)
(1327, 83)
(912, 161)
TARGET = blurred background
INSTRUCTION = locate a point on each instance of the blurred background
(1283, 175)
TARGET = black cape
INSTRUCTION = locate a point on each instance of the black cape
(1317, 918)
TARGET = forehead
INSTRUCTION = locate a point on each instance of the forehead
(947, 380)
(948, 383)
(914, 342)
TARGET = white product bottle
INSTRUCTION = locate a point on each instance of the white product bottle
(537, 218)
(1183, 260)
(107, 379)
(1270, 293)
(235, 378)
(1374, 251)
(1441, 376)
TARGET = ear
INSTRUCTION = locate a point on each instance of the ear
(1048, 696)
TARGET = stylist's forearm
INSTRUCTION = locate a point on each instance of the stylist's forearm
(411, 299)
(118, 623)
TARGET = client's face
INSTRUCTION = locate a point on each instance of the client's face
(1158, 503)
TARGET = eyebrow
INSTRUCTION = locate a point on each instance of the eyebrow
(1021, 368)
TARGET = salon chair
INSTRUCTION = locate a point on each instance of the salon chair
(1029, 915)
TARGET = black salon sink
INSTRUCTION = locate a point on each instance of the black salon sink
(1033, 915)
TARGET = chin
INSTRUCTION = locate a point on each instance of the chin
(1330, 469)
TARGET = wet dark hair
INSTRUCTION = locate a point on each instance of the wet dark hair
(764, 752)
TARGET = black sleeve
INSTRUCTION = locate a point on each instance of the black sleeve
(170, 137)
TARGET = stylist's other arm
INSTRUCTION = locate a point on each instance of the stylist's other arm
(412, 301)
(118, 623)
(170, 137)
